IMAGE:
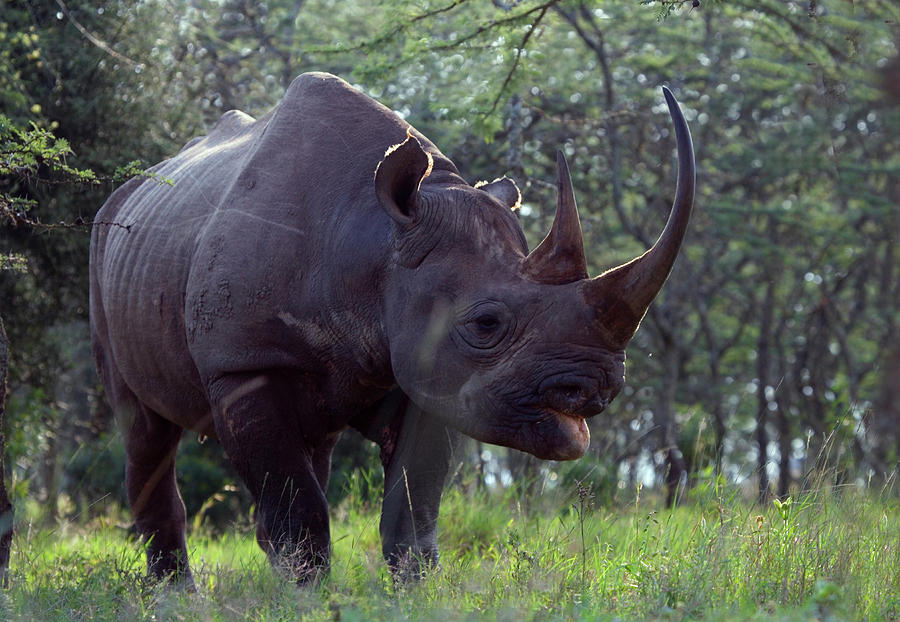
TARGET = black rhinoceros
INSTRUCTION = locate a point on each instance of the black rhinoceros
(326, 266)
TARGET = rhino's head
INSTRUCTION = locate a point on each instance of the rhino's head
(510, 347)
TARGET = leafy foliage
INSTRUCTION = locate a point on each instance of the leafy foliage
(23, 154)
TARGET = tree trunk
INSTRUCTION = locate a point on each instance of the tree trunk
(719, 429)
(763, 370)
(6, 509)
(785, 438)
(676, 471)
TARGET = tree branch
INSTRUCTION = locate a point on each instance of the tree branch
(515, 65)
(92, 38)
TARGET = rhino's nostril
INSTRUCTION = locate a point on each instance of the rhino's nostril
(570, 391)
(573, 393)
(566, 397)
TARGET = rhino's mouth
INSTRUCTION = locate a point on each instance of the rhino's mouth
(567, 438)
(578, 420)
(550, 425)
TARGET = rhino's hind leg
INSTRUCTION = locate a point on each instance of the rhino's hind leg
(256, 422)
(157, 507)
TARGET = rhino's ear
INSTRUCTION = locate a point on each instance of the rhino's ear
(398, 177)
(504, 190)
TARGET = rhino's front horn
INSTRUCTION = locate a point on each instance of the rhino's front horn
(559, 258)
(622, 295)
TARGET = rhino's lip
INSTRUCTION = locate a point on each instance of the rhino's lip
(574, 423)
(576, 430)
(580, 419)
(586, 412)
(579, 422)
(543, 431)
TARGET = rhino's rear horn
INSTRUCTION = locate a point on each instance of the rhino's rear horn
(559, 258)
(622, 295)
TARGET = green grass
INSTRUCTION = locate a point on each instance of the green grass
(826, 556)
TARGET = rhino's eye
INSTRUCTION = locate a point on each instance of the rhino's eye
(485, 325)
(486, 322)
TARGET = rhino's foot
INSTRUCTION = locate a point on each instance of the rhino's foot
(409, 566)
(302, 562)
(170, 567)
(300, 567)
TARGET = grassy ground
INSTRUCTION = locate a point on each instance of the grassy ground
(826, 555)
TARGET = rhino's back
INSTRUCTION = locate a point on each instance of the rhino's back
(141, 252)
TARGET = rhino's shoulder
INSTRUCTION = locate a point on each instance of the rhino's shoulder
(321, 96)
(316, 83)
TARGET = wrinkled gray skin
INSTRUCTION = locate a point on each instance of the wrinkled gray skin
(283, 289)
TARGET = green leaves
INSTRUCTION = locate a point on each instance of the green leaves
(34, 157)
(24, 151)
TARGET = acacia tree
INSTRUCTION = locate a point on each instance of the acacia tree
(777, 93)
(772, 323)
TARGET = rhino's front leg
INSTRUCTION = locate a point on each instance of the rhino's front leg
(416, 455)
(256, 422)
